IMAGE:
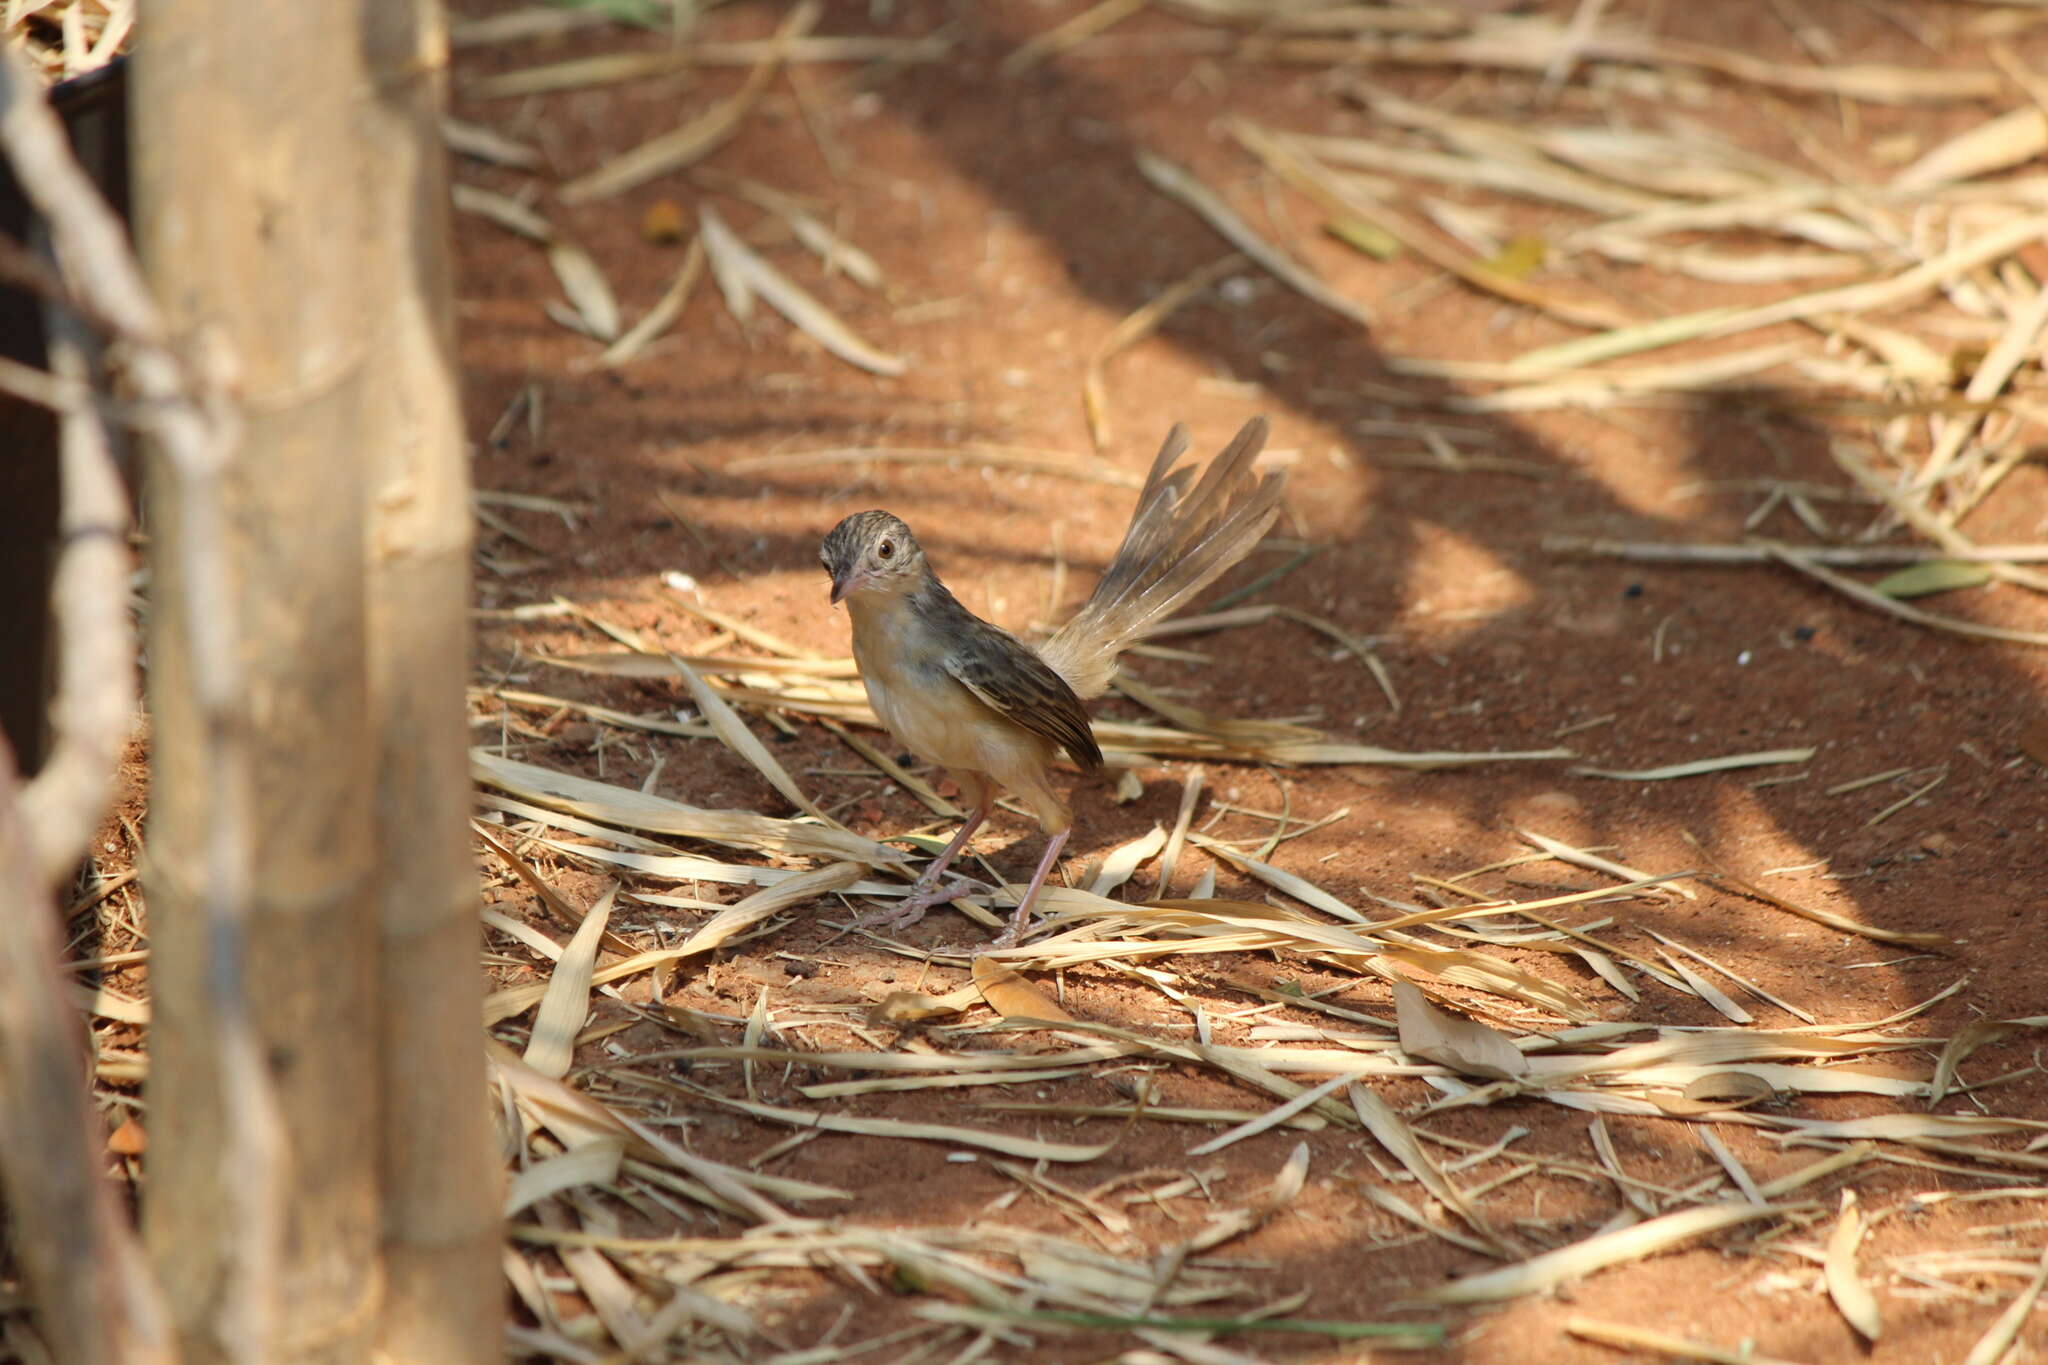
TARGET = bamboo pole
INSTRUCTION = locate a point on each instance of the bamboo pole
(441, 1196)
(262, 1214)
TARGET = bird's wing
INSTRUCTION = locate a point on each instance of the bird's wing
(1011, 680)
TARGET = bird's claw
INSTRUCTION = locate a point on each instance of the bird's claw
(921, 899)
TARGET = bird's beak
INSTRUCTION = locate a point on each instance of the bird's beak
(842, 584)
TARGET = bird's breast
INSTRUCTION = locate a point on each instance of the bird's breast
(913, 695)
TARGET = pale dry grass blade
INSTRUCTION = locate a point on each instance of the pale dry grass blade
(488, 145)
(1849, 1291)
(1703, 766)
(503, 210)
(1998, 1339)
(1905, 611)
(595, 1162)
(613, 68)
(744, 273)
(623, 806)
(1335, 198)
(575, 1118)
(1545, 1272)
(1579, 857)
(828, 246)
(1492, 159)
(1758, 991)
(1009, 1144)
(1390, 1202)
(726, 924)
(523, 24)
(566, 1001)
(1392, 1132)
(1603, 1149)
(1678, 552)
(1169, 858)
(1121, 863)
(926, 794)
(1735, 1169)
(1993, 244)
(1206, 204)
(1519, 43)
(700, 136)
(662, 315)
(734, 734)
(590, 294)
(1070, 33)
(2011, 139)
(1818, 916)
(1272, 1118)
(1966, 1040)
(2016, 345)
(1596, 389)
(1303, 890)
(1631, 1338)
(1706, 990)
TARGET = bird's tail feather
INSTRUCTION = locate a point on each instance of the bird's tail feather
(1179, 541)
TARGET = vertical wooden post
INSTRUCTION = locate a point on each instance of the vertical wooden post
(445, 1293)
(251, 219)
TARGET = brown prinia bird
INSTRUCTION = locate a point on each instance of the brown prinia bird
(993, 711)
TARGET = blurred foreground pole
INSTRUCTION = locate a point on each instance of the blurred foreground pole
(261, 1207)
(444, 1291)
(321, 1193)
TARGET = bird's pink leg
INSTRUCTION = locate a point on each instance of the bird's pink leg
(1051, 856)
(928, 892)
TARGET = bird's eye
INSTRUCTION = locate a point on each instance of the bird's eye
(886, 550)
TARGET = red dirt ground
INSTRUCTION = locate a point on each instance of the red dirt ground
(1015, 234)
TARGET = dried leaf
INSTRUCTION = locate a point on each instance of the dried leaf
(595, 1162)
(632, 809)
(727, 923)
(701, 135)
(1394, 1134)
(1851, 1295)
(1272, 1118)
(1123, 861)
(734, 734)
(1938, 575)
(1663, 1343)
(1971, 1036)
(507, 212)
(2014, 137)
(1464, 1045)
(913, 1007)
(552, 1046)
(743, 273)
(1009, 1144)
(1171, 179)
(1543, 1273)
(589, 293)
(1013, 997)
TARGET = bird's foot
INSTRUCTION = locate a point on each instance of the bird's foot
(1009, 937)
(922, 898)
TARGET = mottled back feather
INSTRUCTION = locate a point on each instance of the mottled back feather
(1008, 677)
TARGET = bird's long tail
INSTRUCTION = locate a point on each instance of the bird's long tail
(1179, 540)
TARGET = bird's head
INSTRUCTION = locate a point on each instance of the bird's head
(871, 552)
